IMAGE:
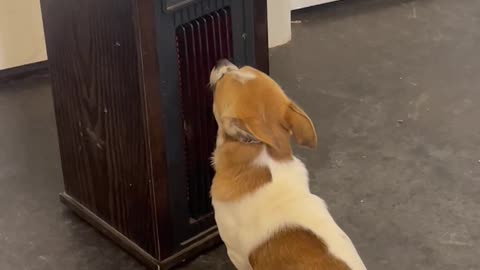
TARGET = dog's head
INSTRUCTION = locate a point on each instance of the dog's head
(250, 107)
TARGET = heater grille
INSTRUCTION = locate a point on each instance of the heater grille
(200, 43)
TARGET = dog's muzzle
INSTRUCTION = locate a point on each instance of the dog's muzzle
(222, 67)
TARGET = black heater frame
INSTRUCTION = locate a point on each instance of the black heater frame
(178, 18)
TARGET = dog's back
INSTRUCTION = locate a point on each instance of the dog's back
(282, 223)
(292, 249)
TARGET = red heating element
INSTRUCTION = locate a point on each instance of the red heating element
(200, 44)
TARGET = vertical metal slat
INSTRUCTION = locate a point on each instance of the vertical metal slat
(181, 39)
(203, 116)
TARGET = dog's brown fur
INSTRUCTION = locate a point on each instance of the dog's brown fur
(255, 109)
(295, 249)
(259, 109)
(235, 176)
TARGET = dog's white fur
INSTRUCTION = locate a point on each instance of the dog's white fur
(284, 202)
(241, 75)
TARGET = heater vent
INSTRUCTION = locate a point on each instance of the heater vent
(200, 43)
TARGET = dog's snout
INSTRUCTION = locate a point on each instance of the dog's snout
(223, 63)
(223, 66)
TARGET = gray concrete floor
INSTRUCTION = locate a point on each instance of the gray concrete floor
(393, 88)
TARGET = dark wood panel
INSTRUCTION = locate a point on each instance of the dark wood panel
(94, 65)
(150, 82)
(261, 35)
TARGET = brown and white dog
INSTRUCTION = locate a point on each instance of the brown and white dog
(265, 213)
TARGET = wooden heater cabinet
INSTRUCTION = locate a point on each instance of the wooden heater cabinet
(133, 110)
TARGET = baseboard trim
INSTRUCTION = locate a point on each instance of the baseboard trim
(21, 72)
(210, 240)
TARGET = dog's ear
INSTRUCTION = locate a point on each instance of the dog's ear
(301, 126)
(250, 130)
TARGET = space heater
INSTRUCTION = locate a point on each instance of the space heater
(133, 111)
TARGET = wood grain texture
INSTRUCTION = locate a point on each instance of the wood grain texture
(97, 92)
(159, 195)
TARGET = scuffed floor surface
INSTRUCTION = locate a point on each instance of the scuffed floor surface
(393, 88)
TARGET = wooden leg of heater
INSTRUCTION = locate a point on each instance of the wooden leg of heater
(208, 241)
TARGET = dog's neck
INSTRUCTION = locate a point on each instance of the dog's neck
(241, 169)
(232, 154)
(236, 173)
(241, 144)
